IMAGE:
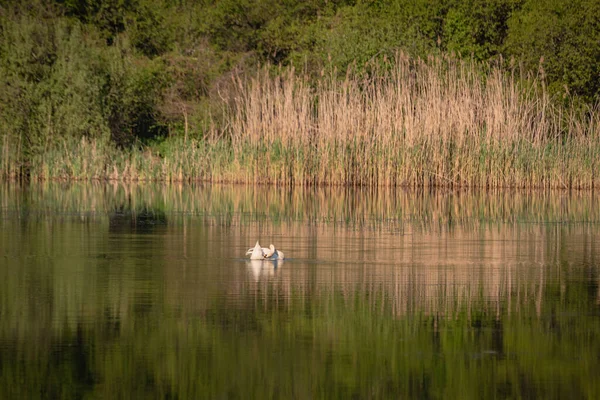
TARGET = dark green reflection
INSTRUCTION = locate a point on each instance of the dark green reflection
(330, 346)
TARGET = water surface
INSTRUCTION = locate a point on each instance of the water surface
(114, 291)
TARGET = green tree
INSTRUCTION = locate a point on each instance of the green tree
(108, 15)
(478, 28)
(563, 38)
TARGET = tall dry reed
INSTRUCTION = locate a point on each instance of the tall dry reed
(435, 122)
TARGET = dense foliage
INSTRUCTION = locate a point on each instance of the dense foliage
(134, 71)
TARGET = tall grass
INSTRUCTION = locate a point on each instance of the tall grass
(439, 122)
(408, 122)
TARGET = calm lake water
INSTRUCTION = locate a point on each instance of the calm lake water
(118, 291)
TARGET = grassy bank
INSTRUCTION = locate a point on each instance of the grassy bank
(419, 123)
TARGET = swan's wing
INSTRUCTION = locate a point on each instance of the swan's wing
(250, 250)
(280, 255)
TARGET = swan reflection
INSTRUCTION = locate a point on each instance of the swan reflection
(263, 268)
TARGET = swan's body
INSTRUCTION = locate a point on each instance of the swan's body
(263, 253)
(264, 250)
(273, 254)
(257, 252)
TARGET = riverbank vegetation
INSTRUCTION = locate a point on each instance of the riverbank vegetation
(452, 93)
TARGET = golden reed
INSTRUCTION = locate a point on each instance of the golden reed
(436, 122)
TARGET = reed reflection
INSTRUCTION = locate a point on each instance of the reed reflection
(348, 207)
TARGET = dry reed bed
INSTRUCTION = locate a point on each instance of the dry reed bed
(436, 122)
(440, 122)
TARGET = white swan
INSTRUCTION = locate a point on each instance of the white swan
(257, 252)
(273, 254)
(263, 253)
